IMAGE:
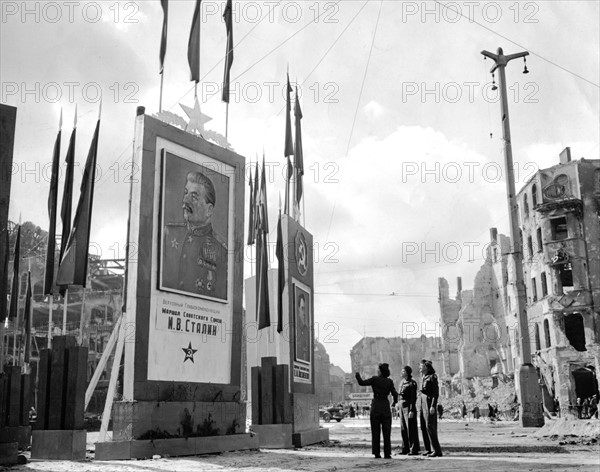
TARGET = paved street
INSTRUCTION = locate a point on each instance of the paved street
(472, 446)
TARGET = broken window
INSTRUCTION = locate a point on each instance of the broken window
(540, 246)
(565, 275)
(534, 289)
(547, 333)
(537, 337)
(525, 206)
(534, 195)
(544, 284)
(530, 246)
(495, 252)
(559, 228)
(574, 331)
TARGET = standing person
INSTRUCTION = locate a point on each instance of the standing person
(381, 414)
(407, 391)
(430, 392)
(464, 410)
(476, 412)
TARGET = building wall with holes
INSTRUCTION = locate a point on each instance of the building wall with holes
(559, 210)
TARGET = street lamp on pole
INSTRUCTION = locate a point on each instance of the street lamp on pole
(530, 404)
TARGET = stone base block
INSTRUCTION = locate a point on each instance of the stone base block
(274, 436)
(314, 436)
(9, 453)
(123, 450)
(20, 434)
(59, 444)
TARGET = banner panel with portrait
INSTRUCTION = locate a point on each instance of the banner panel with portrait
(303, 342)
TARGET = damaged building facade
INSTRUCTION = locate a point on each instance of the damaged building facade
(476, 325)
(559, 220)
(559, 211)
(369, 352)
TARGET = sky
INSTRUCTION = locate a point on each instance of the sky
(402, 136)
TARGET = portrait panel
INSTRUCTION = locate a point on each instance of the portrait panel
(194, 228)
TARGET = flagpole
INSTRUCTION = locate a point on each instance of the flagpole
(2, 345)
(226, 119)
(50, 307)
(162, 76)
(66, 302)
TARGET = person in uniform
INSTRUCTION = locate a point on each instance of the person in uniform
(428, 409)
(381, 414)
(407, 391)
(195, 257)
(302, 330)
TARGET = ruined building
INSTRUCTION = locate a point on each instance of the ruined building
(475, 328)
(559, 210)
(329, 378)
(368, 353)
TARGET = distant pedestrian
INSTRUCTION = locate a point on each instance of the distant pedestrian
(352, 412)
(464, 410)
(579, 406)
(440, 411)
(430, 392)
(407, 391)
(381, 414)
(594, 406)
(491, 413)
(476, 412)
(585, 408)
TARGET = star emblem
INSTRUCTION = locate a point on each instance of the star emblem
(189, 352)
(197, 118)
(199, 284)
(174, 244)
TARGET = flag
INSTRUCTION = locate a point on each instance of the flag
(27, 316)
(229, 51)
(262, 257)
(194, 45)
(14, 296)
(74, 263)
(289, 144)
(52, 202)
(255, 199)
(280, 275)
(298, 154)
(163, 39)
(251, 224)
(67, 201)
(4, 278)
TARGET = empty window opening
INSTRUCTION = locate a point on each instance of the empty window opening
(544, 284)
(559, 228)
(538, 345)
(565, 275)
(534, 195)
(534, 289)
(530, 246)
(547, 333)
(574, 331)
(540, 246)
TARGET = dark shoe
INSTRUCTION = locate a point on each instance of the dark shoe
(413, 454)
(426, 453)
(402, 453)
(377, 456)
(387, 457)
(435, 454)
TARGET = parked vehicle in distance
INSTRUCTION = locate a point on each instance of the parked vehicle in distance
(334, 412)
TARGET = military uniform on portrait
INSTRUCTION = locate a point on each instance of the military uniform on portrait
(195, 260)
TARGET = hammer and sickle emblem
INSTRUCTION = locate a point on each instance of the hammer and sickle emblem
(301, 254)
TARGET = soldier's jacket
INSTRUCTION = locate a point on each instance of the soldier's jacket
(430, 391)
(407, 391)
(195, 260)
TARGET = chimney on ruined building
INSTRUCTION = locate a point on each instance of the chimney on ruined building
(458, 287)
(494, 235)
(565, 155)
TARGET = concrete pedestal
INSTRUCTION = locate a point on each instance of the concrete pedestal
(530, 398)
(125, 450)
(313, 436)
(273, 436)
(9, 453)
(20, 434)
(59, 444)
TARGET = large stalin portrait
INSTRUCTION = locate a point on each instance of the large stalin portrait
(194, 255)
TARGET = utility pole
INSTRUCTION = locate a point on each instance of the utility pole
(530, 400)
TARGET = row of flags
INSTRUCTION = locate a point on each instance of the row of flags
(258, 224)
(193, 53)
(73, 255)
